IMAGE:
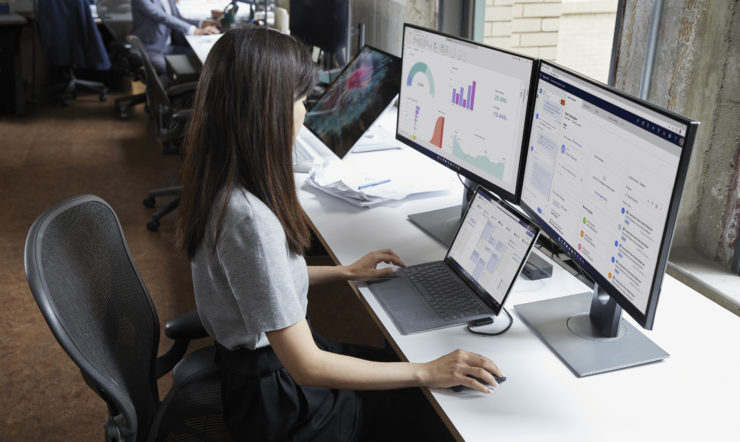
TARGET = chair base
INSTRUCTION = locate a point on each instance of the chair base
(73, 85)
(124, 104)
(150, 201)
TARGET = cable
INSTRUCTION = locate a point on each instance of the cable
(478, 324)
(463, 183)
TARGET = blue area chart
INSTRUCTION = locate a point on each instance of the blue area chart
(421, 68)
(481, 162)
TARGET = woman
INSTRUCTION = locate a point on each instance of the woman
(245, 234)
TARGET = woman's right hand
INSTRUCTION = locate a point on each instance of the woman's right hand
(456, 368)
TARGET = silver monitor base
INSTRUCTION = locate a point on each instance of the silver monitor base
(441, 224)
(563, 324)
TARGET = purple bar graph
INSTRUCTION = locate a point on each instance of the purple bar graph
(457, 96)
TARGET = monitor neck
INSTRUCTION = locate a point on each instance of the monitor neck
(605, 313)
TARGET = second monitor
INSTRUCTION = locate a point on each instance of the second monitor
(464, 105)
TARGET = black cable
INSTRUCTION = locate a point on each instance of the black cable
(463, 183)
(476, 324)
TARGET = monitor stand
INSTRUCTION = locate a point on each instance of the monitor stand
(441, 224)
(589, 340)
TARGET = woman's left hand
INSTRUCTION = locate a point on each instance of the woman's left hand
(365, 268)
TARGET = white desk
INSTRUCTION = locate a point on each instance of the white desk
(693, 395)
(202, 44)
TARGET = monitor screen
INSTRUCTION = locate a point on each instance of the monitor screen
(603, 176)
(355, 99)
(491, 246)
(465, 104)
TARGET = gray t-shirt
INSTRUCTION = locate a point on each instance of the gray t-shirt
(253, 283)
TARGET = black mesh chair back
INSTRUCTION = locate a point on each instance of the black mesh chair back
(170, 117)
(80, 271)
(159, 101)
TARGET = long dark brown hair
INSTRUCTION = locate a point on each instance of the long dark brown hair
(241, 133)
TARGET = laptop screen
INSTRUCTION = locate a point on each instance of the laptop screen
(355, 99)
(491, 246)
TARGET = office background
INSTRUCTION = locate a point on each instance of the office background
(53, 153)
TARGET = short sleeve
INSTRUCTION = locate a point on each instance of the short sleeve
(257, 264)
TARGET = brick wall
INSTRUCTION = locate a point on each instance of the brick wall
(529, 27)
(575, 33)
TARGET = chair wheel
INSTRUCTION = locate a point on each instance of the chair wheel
(103, 97)
(152, 226)
(148, 202)
(122, 115)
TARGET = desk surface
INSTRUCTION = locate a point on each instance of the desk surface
(690, 396)
(202, 44)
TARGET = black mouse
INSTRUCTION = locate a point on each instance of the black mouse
(499, 380)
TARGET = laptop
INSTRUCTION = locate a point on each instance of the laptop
(361, 92)
(473, 281)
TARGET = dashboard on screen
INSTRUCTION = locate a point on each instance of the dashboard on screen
(464, 105)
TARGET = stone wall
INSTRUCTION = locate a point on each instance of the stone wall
(695, 74)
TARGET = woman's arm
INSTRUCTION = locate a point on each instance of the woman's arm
(311, 366)
(362, 270)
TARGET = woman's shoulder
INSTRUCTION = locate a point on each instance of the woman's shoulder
(244, 207)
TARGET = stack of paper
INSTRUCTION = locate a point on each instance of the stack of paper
(367, 180)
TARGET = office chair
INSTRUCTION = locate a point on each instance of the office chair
(88, 289)
(168, 110)
(116, 17)
(70, 39)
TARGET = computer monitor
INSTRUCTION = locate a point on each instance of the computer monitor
(355, 99)
(324, 24)
(603, 178)
(465, 105)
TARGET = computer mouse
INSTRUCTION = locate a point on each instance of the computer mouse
(303, 166)
(499, 380)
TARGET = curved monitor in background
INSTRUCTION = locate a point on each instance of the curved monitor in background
(355, 99)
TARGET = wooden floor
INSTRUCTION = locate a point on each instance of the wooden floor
(56, 153)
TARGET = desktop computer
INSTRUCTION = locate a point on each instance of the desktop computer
(603, 177)
(465, 105)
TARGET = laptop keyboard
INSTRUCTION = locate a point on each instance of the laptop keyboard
(445, 293)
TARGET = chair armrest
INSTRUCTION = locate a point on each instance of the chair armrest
(182, 115)
(185, 326)
(182, 329)
(181, 89)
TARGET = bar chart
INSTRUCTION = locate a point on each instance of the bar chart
(464, 99)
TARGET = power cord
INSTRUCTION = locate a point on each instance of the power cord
(488, 321)
(463, 183)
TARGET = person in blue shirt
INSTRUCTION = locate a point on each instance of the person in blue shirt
(161, 27)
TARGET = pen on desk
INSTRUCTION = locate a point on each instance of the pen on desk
(377, 183)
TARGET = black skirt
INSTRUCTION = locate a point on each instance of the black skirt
(263, 403)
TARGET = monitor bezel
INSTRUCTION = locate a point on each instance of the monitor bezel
(336, 80)
(506, 195)
(646, 319)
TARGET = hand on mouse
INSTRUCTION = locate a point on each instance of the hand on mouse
(461, 368)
